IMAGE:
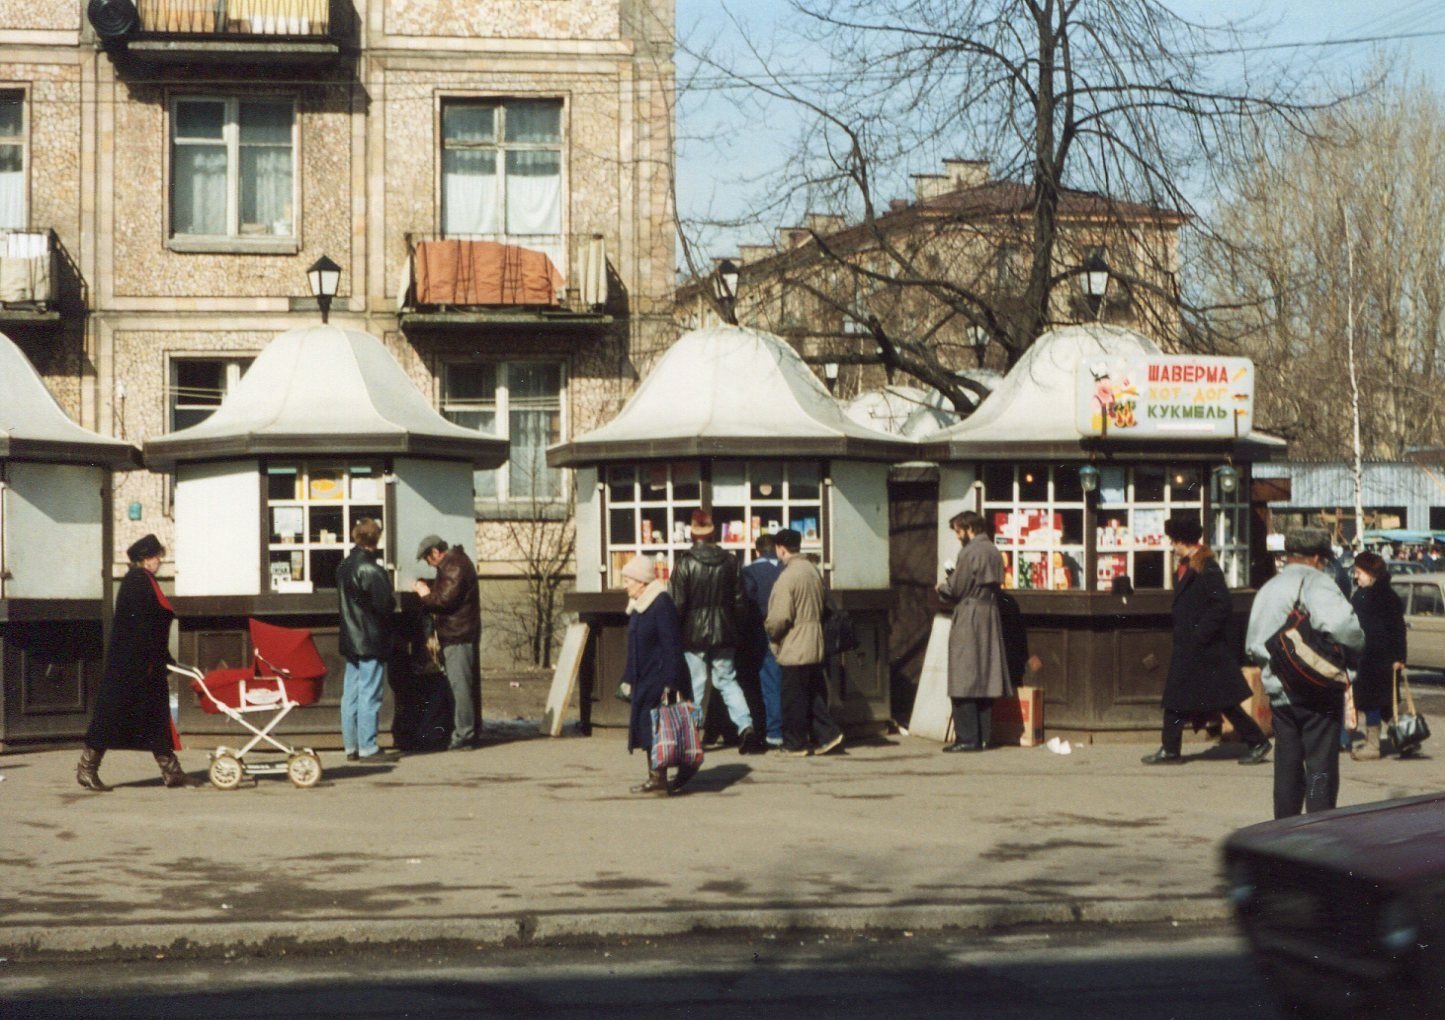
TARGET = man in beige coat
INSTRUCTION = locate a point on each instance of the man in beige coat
(795, 627)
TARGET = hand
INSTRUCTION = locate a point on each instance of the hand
(421, 588)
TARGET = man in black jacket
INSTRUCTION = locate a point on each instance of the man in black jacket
(364, 591)
(455, 603)
(707, 593)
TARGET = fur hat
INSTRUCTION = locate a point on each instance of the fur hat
(701, 522)
(641, 569)
(144, 548)
(1184, 528)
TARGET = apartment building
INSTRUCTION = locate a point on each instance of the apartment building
(492, 177)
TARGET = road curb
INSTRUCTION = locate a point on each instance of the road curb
(20, 942)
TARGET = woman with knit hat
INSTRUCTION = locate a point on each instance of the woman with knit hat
(654, 663)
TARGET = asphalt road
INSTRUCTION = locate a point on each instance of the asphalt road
(1075, 971)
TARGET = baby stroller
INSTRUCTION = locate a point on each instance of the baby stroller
(286, 673)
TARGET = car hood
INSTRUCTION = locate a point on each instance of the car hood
(1391, 841)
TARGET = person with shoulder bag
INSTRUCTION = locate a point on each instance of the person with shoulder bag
(1303, 633)
(1382, 618)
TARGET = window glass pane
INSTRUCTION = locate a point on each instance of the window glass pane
(1033, 483)
(1148, 484)
(1149, 570)
(265, 191)
(281, 483)
(200, 382)
(620, 484)
(531, 382)
(12, 114)
(12, 186)
(1112, 488)
(534, 192)
(804, 481)
(729, 485)
(265, 123)
(537, 122)
(200, 120)
(686, 482)
(766, 479)
(1066, 484)
(469, 122)
(471, 383)
(469, 192)
(1184, 485)
(12, 159)
(200, 189)
(998, 483)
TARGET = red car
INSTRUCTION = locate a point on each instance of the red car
(1345, 910)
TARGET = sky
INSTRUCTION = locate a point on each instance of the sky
(730, 145)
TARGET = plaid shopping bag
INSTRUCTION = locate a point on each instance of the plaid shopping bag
(675, 741)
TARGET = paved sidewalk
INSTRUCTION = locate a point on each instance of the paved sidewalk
(530, 839)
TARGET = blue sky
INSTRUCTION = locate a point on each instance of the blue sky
(730, 144)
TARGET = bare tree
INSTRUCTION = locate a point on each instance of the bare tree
(1095, 116)
(1348, 223)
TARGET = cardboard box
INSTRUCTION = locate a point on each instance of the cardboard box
(1257, 704)
(1020, 718)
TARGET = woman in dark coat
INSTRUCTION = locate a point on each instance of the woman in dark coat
(1204, 669)
(132, 709)
(978, 671)
(1382, 618)
(654, 663)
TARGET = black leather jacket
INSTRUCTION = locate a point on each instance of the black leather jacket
(708, 596)
(367, 600)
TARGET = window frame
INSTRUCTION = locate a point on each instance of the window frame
(304, 500)
(499, 146)
(21, 141)
(505, 501)
(235, 366)
(233, 240)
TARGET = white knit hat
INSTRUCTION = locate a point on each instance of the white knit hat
(640, 568)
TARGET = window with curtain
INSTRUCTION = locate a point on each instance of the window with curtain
(502, 168)
(522, 401)
(232, 167)
(12, 159)
(198, 385)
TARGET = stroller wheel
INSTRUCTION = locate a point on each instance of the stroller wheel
(304, 769)
(226, 771)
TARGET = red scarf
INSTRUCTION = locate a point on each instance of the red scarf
(165, 603)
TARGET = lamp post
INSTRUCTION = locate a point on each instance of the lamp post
(324, 276)
(830, 373)
(1095, 281)
(1088, 477)
(725, 286)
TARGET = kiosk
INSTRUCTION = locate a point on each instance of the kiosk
(323, 429)
(1092, 440)
(733, 421)
(55, 520)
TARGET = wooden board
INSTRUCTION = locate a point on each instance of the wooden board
(564, 679)
(932, 710)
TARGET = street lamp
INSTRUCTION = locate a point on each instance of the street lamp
(830, 373)
(324, 276)
(1095, 281)
(1227, 477)
(725, 286)
(1088, 477)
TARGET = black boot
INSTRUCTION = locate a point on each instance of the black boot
(87, 772)
(656, 783)
(684, 774)
(171, 771)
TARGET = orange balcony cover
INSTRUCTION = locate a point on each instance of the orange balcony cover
(484, 273)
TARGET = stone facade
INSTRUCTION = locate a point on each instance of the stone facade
(101, 133)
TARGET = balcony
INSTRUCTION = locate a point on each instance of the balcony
(29, 261)
(286, 32)
(471, 281)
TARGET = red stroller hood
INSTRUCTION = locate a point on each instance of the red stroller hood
(288, 648)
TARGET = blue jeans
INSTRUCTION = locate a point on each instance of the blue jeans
(360, 705)
(724, 680)
(770, 676)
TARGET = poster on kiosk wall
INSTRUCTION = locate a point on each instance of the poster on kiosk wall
(1173, 396)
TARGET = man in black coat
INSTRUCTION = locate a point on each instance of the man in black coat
(364, 591)
(1204, 674)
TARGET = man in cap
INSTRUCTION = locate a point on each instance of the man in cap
(455, 604)
(364, 591)
(706, 590)
(1307, 736)
(795, 625)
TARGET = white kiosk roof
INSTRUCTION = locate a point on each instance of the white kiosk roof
(33, 426)
(1031, 413)
(727, 391)
(325, 390)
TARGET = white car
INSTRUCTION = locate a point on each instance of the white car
(1423, 596)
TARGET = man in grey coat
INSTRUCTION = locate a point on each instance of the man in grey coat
(1307, 736)
(977, 662)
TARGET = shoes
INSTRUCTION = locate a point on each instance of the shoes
(956, 748)
(831, 745)
(87, 772)
(352, 756)
(749, 742)
(684, 774)
(1163, 757)
(1256, 753)
(172, 774)
(797, 752)
(380, 758)
(656, 783)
